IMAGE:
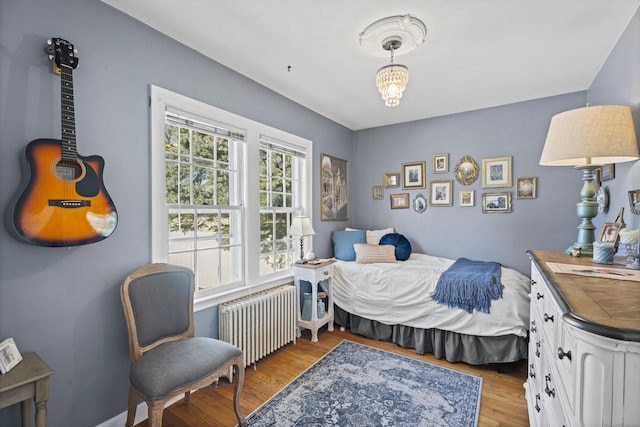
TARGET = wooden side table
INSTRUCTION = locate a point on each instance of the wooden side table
(314, 274)
(28, 380)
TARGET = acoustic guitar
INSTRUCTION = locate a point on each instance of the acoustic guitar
(64, 201)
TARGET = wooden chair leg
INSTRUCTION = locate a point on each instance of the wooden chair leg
(131, 407)
(155, 413)
(237, 389)
(187, 394)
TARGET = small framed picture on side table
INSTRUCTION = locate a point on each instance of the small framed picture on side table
(9, 355)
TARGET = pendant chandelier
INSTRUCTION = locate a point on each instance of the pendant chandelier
(392, 79)
(397, 35)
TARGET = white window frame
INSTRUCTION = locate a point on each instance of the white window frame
(163, 100)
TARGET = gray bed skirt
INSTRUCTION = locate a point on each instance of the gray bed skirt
(451, 346)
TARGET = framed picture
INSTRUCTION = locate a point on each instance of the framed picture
(413, 175)
(378, 192)
(440, 193)
(607, 172)
(467, 198)
(441, 163)
(526, 188)
(609, 232)
(400, 201)
(496, 202)
(334, 186)
(496, 172)
(9, 355)
(420, 203)
(391, 180)
(634, 201)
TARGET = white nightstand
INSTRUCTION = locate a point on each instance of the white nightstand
(314, 274)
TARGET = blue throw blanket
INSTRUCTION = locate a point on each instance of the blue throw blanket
(470, 285)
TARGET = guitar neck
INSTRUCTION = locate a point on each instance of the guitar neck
(69, 148)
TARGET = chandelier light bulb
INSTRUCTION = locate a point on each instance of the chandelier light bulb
(391, 82)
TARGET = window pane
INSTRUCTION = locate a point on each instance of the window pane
(185, 139)
(222, 187)
(263, 162)
(171, 140)
(276, 164)
(184, 190)
(266, 265)
(203, 186)
(287, 166)
(202, 148)
(207, 224)
(171, 183)
(208, 266)
(223, 150)
(281, 225)
(266, 227)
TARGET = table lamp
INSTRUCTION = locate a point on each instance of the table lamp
(588, 138)
(301, 227)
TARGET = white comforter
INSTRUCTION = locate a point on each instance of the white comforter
(402, 293)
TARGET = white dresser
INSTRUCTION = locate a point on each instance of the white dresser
(584, 347)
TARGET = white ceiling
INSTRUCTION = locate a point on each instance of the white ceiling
(477, 53)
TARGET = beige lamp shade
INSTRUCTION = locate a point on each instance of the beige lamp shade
(301, 226)
(591, 135)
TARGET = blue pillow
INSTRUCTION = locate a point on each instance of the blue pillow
(343, 242)
(403, 247)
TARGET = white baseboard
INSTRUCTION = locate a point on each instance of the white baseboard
(141, 414)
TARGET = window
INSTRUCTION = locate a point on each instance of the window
(223, 192)
(281, 176)
(203, 194)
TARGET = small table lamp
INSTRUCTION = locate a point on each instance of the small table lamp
(588, 138)
(301, 227)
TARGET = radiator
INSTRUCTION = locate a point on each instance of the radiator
(259, 323)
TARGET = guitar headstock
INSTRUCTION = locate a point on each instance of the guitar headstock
(62, 53)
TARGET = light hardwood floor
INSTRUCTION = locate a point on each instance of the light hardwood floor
(503, 402)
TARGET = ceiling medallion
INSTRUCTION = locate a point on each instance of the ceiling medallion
(409, 30)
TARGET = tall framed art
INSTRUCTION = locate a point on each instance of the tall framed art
(334, 188)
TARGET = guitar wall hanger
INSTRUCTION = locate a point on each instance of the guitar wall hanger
(50, 49)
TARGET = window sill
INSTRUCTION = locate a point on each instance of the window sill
(209, 301)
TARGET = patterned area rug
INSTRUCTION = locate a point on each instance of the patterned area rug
(357, 385)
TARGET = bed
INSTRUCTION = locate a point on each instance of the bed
(393, 301)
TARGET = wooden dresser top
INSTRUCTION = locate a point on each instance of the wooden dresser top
(606, 307)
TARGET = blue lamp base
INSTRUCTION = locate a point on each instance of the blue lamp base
(586, 209)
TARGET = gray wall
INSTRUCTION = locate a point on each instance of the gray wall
(619, 83)
(64, 303)
(519, 130)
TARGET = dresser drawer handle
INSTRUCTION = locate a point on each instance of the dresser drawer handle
(532, 374)
(547, 317)
(539, 295)
(538, 408)
(533, 282)
(533, 326)
(326, 273)
(562, 354)
(538, 349)
(550, 391)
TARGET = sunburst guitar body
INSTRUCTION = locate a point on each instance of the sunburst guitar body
(64, 201)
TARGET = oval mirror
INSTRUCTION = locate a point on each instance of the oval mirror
(420, 203)
(466, 170)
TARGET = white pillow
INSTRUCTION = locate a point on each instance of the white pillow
(368, 254)
(374, 236)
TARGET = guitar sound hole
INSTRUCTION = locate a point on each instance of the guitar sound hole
(69, 171)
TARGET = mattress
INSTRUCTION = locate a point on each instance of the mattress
(402, 293)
